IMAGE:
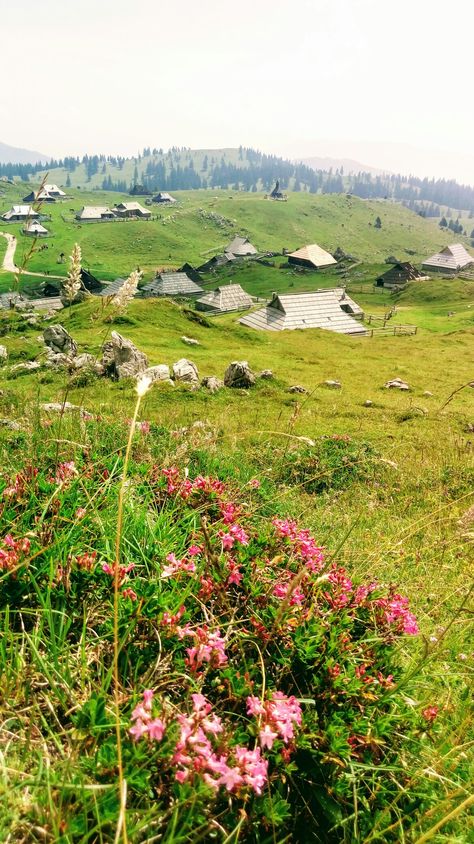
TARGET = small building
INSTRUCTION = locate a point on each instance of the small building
(113, 288)
(176, 285)
(451, 260)
(163, 198)
(34, 229)
(132, 209)
(224, 299)
(330, 309)
(191, 272)
(48, 193)
(215, 262)
(313, 257)
(277, 193)
(95, 213)
(20, 213)
(399, 274)
(240, 247)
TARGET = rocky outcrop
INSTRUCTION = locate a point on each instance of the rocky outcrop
(122, 359)
(65, 407)
(86, 362)
(397, 384)
(266, 374)
(185, 371)
(238, 374)
(59, 340)
(297, 388)
(28, 366)
(212, 383)
(157, 373)
(332, 384)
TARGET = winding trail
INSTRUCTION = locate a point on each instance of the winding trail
(9, 260)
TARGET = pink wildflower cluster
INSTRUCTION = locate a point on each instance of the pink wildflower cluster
(87, 561)
(397, 615)
(302, 543)
(195, 754)
(111, 570)
(277, 717)
(13, 552)
(65, 472)
(21, 482)
(185, 488)
(175, 565)
(430, 713)
(235, 533)
(209, 647)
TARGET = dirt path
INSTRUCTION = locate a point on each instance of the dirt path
(9, 259)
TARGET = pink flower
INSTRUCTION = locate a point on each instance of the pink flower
(129, 593)
(156, 729)
(231, 779)
(267, 736)
(255, 483)
(194, 550)
(255, 706)
(138, 730)
(80, 512)
(65, 472)
(430, 713)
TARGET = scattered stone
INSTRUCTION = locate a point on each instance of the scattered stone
(428, 394)
(396, 384)
(368, 403)
(297, 388)
(266, 374)
(28, 366)
(212, 383)
(10, 424)
(333, 385)
(186, 371)
(59, 340)
(32, 322)
(3, 354)
(65, 407)
(57, 360)
(87, 361)
(122, 359)
(158, 373)
(238, 374)
(190, 341)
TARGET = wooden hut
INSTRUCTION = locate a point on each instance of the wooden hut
(132, 209)
(175, 285)
(399, 274)
(224, 299)
(330, 309)
(313, 257)
(240, 247)
(451, 260)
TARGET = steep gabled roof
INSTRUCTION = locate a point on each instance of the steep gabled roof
(240, 246)
(313, 254)
(227, 297)
(400, 272)
(321, 309)
(112, 288)
(132, 206)
(163, 197)
(94, 212)
(452, 257)
(172, 284)
(53, 189)
(34, 227)
(20, 211)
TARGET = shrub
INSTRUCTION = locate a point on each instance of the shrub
(332, 463)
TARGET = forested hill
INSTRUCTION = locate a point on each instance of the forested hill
(244, 168)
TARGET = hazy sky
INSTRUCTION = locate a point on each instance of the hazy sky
(390, 83)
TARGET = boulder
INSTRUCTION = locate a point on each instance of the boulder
(65, 407)
(190, 341)
(86, 361)
(266, 374)
(212, 383)
(297, 388)
(158, 373)
(396, 384)
(10, 424)
(186, 371)
(59, 340)
(57, 360)
(238, 374)
(428, 394)
(3, 354)
(368, 403)
(28, 366)
(122, 359)
(333, 385)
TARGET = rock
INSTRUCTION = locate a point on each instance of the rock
(86, 361)
(189, 341)
(186, 371)
(428, 394)
(368, 403)
(32, 322)
(297, 388)
(333, 385)
(65, 407)
(59, 340)
(57, 360)
(28, 366)
(122, 359)
(266, 374)
(10, 424)
(238, 374)
(3, 354)
(212, 383)
(158, 373)
(396, 384)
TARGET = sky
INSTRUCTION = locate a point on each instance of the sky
(388, 83)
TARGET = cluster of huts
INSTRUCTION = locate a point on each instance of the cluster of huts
(102, 213)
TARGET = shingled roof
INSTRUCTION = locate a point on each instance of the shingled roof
(312, 255)
(240, 247)
(330, 309)
(451, 258)
(399, 273)
(112, 288)
(172, 284)
(227, 297)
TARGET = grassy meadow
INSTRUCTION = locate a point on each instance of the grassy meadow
(382, 479)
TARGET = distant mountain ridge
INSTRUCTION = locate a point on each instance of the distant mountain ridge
(18, 155)
(349, 165)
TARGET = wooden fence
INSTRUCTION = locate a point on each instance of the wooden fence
(392, 331)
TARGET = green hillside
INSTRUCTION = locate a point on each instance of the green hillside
(204, 221)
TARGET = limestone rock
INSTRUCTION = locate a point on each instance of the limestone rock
(11, 424)
(65, 407)
(28, 366)
(87, 361)
(368, 403)
(122, 359)
(186, 371)
(238, 374)
(396, 384)
(333, 385)
(212, 383)
(3, 354)
(266, 374)
(190, 341)
(428, 394)
(58, 360)
(59, 340)
(297, 388)
(158, 373)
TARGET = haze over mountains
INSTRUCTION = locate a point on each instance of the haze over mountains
(18, 155)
